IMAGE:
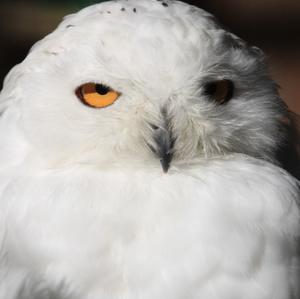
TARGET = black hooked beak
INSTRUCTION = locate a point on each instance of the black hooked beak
(163, 142)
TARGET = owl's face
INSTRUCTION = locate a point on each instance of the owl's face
(146, 81)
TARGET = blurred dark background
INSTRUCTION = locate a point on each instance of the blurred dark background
(273, 25)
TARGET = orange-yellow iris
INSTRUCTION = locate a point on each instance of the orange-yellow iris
(97, 95)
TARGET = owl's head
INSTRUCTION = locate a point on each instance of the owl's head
(144, 81)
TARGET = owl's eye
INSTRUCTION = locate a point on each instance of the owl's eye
(96, 95)
(219, 91)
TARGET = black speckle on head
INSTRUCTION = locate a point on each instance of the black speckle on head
(123, 9)
(159, 0)
(108, 11)
(134, 10)
(165, 4)
(69, 26)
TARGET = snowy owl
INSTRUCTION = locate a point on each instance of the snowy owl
(141, 158)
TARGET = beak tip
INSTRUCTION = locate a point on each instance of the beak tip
(165, 165)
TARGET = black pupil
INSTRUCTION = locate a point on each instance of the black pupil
(210, 88)
(102, 89)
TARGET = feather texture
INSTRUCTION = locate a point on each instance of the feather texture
(202, 230)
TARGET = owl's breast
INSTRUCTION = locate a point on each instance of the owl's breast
(213, 230)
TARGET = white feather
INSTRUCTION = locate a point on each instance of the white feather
(223, 228)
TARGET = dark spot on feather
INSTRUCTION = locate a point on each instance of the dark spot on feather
(108, 11)
(69, 26)
(153, 127)
(134, 10)
(123, 9)
(165, 4)
(159, 0)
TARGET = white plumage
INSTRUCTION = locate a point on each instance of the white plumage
(86, 210)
